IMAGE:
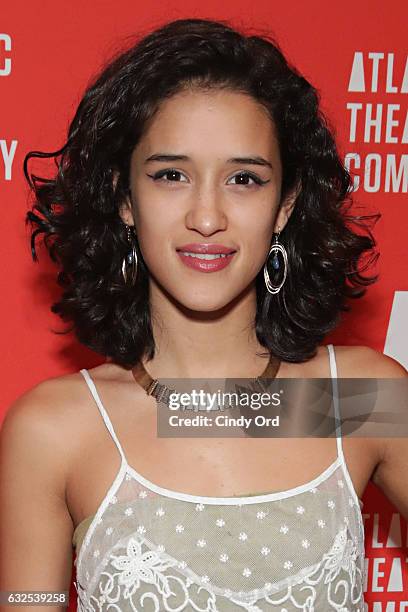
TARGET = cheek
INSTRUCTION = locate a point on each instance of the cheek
(152, 215)
(258, 226)
(151, 234)
(155, 232)
(258, 232)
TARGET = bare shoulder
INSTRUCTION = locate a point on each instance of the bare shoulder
(366, 362)
(35, 425)
(44, 406)
(47, 419)
(52, 402)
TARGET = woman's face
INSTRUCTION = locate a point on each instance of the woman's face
(207, 171)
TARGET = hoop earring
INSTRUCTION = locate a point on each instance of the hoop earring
(276, 247)
(130, 260)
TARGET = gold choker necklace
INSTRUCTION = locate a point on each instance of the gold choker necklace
(162, 392)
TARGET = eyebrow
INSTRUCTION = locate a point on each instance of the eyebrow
(253, 161)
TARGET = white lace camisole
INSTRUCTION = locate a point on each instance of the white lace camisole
(150, 548)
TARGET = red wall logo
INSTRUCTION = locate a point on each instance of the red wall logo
(5, 48)
(376, 117)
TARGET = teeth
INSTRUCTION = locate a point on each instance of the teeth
(205, 255)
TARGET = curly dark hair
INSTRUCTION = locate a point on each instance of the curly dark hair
(77, 209)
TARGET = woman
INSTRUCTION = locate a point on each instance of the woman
(190, 158)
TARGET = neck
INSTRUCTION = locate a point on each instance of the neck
(216, 344)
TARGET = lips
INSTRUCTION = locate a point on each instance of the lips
(206, 257)
(206, 248)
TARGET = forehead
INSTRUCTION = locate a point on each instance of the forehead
(219, 122)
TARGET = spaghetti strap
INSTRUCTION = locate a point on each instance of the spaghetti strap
(333, 373)
(103, 412)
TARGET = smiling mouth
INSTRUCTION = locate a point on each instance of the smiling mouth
(205, 248)
(207, 256)
(206, 262)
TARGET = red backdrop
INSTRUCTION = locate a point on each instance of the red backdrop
(353, 52)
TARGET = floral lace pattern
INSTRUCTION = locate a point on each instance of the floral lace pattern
(145, 551)
(338, 575)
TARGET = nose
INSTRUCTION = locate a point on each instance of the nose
(206, 212)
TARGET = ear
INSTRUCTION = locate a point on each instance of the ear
(125, 209)
(286, 208)
(125, 212)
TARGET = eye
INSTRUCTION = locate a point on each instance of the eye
(173, 176)
(244, 178)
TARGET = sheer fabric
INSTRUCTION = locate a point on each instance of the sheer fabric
(151, 548)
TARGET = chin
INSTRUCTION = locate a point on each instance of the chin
(198, 301)
(205, 304)
(204, 298)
